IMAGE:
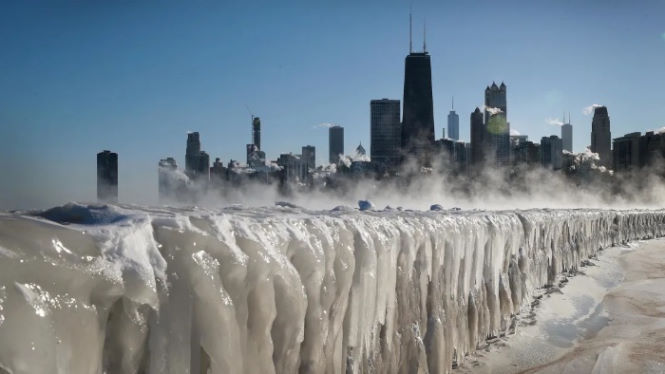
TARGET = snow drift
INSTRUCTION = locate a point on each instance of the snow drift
(121, 289)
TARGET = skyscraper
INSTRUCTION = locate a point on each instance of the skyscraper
(385, 132)
(453, 124)
(601, 137)
(167, 178)
(478, 135)
(107, 176)
(197, 162)
(360, 150)
(551, 152)
(335, 143)
(256, 132)
(418, 111)
(496, 122)
(567, 136)
(192, 152)
(308, 158)
(626, 153)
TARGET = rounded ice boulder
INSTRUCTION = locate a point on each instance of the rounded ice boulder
(436, 207)
(365, 205)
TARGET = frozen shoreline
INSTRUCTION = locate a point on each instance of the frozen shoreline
(609, 320)
(126, 289)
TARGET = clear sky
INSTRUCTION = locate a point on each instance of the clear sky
(77, 77)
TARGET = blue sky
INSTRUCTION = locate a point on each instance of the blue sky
(77, 77)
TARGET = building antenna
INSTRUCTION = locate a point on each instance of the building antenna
(249, 111)
(425, 35)
(568, 117)
(410, 32)
(453, 104)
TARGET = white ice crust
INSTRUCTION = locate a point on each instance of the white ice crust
(124, 289)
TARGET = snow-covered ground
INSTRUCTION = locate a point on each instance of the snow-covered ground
(126, 289)
(610, 318)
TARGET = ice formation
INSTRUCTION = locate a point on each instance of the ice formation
(110, 289)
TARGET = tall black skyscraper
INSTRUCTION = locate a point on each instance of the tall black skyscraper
(197, 162)
(107, 176)
(601, 137)
(256, 131)
(385, 132)
(418, 111)
(192, 152)
(478, 137)
(496, 122)
(335, 143)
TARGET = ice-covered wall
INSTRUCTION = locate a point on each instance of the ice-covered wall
(278, 290)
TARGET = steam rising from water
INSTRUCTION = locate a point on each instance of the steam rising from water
(491, 187)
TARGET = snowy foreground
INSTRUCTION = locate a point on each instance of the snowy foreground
(87, 289)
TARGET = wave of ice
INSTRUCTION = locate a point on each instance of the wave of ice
(120, 289)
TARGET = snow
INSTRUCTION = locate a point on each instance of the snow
(279, 289)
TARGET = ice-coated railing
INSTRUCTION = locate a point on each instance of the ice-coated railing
(89, 289)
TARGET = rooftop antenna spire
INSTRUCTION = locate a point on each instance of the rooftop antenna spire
(425, 35)
(568, 117)
(410, 32)
(453, 103)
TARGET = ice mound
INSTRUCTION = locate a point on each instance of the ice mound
(286, 204)
(436, 207)
(365, 205)
(83, 214)
(274, 290)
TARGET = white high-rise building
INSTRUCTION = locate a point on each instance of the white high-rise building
(567, 136)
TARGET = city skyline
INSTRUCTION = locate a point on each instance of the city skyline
(146, 131)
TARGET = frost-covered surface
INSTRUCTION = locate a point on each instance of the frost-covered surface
(87, 289)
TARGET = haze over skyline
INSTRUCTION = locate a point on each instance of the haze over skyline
(80, 77)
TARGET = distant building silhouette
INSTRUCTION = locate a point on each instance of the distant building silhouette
(634, 151)
(652, 148)
(218, 173)
(197, 162)
(418, 111)
(516, 140)
(446, 148)
(626, 154)
(527, 152)
(169, 184)
(478, 137)
(256, 132)
(601, 137)
(292, 167)
(255, 157)
(360, 150)
(551, 151)
(453, 125)
(567, 136)
(335, 143)
(192, 152)
(107, 176)
(496, 122)
(308, 158)
(385, 133)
